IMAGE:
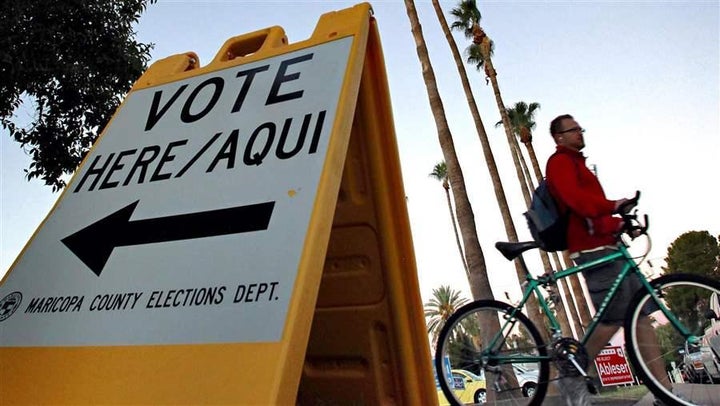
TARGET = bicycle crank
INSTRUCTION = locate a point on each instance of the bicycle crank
(570, 356)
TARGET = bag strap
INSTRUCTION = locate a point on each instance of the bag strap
(577, 171)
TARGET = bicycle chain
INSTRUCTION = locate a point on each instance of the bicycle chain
(570, 357)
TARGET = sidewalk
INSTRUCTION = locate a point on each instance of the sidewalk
(709, 395)
(647, 400)
(558, 401)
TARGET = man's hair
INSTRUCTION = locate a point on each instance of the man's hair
(555, 124)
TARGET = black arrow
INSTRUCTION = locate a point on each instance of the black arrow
(94, 243)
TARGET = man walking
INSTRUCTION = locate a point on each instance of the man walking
(592, 233)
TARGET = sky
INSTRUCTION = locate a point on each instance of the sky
(642, 77)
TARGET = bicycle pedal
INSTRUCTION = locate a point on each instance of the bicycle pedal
(592, 388)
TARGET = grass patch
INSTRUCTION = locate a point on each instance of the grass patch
(623, 392)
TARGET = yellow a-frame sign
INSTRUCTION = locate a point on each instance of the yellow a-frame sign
(237, 235)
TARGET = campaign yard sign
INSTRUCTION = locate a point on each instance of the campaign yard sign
(613, 367)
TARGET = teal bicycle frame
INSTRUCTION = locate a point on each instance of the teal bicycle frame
(533, 287)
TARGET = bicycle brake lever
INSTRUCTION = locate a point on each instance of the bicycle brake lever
(642, 227)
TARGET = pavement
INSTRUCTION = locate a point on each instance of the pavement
(558, 401)
(703, 397)
(709, 395)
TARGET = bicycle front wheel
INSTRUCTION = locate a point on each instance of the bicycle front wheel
(674, 358)
(490, 350)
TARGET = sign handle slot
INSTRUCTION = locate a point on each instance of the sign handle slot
(248, 44)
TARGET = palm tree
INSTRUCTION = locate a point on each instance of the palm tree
(440, 173)
(467, 18)
(478, 278)
(477, 271)
(482, 134)
(522, 120)
(443, 304)
(532, 306)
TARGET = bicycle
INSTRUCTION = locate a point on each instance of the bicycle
(514, 351)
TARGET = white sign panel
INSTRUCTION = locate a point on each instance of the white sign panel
(187, 221)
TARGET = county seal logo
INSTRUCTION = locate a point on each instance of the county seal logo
(9, 304)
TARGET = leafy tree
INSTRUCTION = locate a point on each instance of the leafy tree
(443, 304)
(670, 342)
(71, 62)
(462, 349)
(693, 252)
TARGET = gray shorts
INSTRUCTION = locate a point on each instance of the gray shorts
(600, 279)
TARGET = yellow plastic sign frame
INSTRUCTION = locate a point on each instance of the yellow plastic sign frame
(354, 331)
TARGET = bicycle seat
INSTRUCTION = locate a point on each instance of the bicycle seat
(512, 250)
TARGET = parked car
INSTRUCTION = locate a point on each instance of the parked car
(474, 386)
(527, 379)
(712, 333)
(468, 388)
(700, 364)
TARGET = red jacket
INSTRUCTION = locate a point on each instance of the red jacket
(591, 223)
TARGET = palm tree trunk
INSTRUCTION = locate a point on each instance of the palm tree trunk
(479, 282)
(577, 301)
(562, 315)
(529, 185)
(484, 141)
(581, 301)
(572, 315)
(487, 151)
(506, 124)
(566, 310)
(534, 161)
(446, 186)
(567, 286)
(533, 308)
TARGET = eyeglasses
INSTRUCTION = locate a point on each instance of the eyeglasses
(574, 129)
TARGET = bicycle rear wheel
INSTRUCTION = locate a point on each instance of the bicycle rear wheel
(654, 343)
(516, 365)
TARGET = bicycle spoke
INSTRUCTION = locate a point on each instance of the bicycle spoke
(481, 340)
(669, 352)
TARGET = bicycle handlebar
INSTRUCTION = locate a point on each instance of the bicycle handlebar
(631, 225)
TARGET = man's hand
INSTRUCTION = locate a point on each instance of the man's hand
(624, 205)
(634, 232)
(618, 204)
